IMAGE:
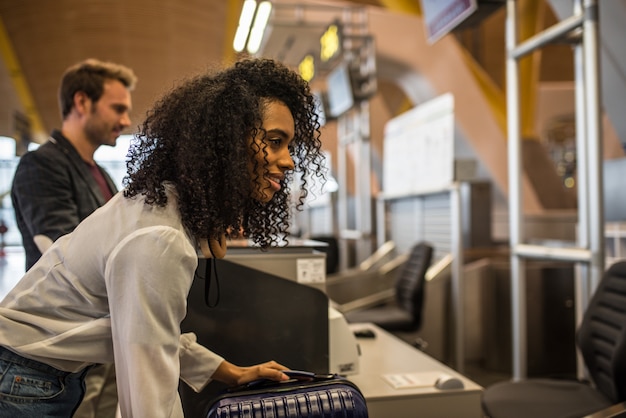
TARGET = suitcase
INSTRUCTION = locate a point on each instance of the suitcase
(304, 395)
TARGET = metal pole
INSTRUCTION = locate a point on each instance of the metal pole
(553, 253)
(381, 221)
(518, 287)
(342, 192)
(363, 178)
(594, 139)
(549, 35)
(458, 300)
(582, 187)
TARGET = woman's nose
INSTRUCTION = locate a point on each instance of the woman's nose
(286, 162)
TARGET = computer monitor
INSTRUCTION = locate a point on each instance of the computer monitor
(259, 317)
(339, 91)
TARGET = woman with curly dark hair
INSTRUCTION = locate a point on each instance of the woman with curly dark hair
(214, 158)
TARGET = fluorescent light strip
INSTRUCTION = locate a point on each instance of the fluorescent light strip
(245, 20)
(260, 22)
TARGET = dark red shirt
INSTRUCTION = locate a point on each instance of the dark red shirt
(97, 174)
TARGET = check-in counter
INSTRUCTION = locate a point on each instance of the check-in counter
(384, 361)
(399, 381)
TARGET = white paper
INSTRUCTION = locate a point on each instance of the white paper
(412, 380)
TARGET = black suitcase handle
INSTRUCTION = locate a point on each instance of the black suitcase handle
(294, 375)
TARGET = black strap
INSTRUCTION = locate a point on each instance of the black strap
(211, 262)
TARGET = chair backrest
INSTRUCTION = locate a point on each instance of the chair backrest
(411, 278)
(601, 336)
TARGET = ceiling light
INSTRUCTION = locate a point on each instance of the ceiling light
(245, 21)
(258, 29)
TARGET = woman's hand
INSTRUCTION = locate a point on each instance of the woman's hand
(234, 375)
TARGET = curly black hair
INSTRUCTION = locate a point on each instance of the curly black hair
(196, 137)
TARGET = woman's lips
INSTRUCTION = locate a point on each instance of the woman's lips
(274, 183)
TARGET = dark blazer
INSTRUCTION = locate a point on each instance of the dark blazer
(53, 190)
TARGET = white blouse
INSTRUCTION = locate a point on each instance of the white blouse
(115, 290)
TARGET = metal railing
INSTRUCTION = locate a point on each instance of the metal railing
(582, 29)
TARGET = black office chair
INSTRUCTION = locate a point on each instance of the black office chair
(405, 314)
(601, 338)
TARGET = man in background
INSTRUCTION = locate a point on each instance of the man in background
(58, 185)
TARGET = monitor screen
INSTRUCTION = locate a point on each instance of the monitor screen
(339, 91)
(441, 16)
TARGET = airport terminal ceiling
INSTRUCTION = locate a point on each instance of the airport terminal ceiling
(162, 40)
(166, 40)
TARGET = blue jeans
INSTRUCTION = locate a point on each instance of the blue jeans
(30, 389)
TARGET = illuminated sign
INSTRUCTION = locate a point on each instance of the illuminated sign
(307, 67)
(330, 44)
